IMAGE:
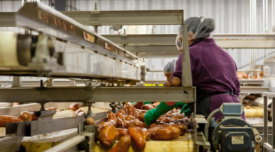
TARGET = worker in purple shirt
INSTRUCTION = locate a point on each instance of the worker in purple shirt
(213, 71)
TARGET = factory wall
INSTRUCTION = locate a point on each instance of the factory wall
(231, 16)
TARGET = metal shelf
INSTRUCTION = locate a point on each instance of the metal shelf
(258, 90)
(152, 42)
(251, 81)
(98, 94)
(38, 16)
(137, 17)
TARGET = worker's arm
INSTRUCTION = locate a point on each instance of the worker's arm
(162, 108)
(178, 68)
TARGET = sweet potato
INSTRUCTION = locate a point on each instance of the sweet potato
(123, 144)
(25, 116)
(174, 119)
(145, 133)
(141, 117)
(33, 116)
(147, 107)
(102, 125)
(240, 76)
(261, 74)
(141, 110)
(182, 127)
(112, 119)
(152, 131)
(130, 110)
(120, 112)
(79, 112)
(138, 105)
(137, 113)
(90, 121)
(163, 119)
(74, 106)
(134, 123)
(175, 132)
(120, 119)
(156, 104)
(167, 84)
(51, 108)
(186, 122)
(8, 119)
(166, 133)
(175, 82)
(122, 132)
(108, 135)
(130, 117)
(137, 138)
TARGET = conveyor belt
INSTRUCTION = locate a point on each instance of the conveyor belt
(63, 114)
(182, 144)
(40, 143)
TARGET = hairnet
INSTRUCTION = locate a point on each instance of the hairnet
(201, 28)
(170, 66)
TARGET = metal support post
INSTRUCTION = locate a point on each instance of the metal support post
(142, 73)
(186, 76)
(89, 112)
(96, 29)
(50, 82)
(265, 122)
(113, 106)
(16, 82)
(273, 122)
(42, 106)
(72, 83)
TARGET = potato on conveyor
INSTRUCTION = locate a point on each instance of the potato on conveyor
(108, 135)
(8, 119)
(51, 108)
(167, 84)
(79, 112)
(147, 107)
(25, 116)
(130, 121)
(90, 121)
(166, 133)
(175, 82)
(123, 145)
(137, 138)
(122, 132)
(74, 106)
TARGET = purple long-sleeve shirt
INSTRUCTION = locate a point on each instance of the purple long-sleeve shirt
(213, 70)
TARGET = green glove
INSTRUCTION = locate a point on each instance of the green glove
(133, 103)
(180, 104)
(155, 113)
(186, 110)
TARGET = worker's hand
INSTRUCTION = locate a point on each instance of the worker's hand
(186, 110)
(180, 104)
(153, 114)
(167, 84)
(150, 116)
